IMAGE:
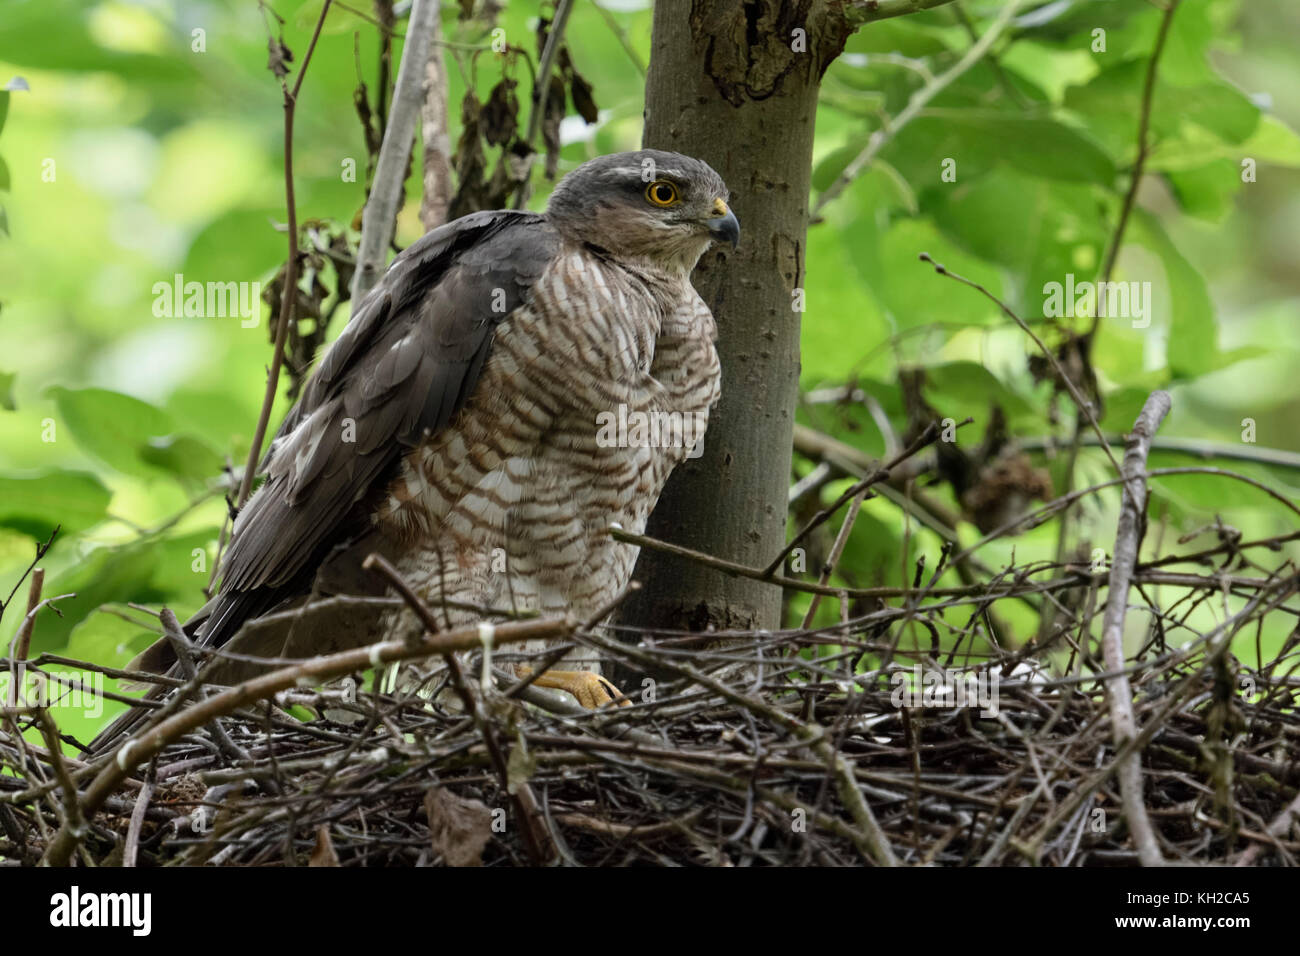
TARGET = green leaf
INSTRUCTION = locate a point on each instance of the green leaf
(1206, 192)
(56, 35)
(35, 504)
(7, 391)
(1038, 229)
(4, 175)
(132, 436)
(1272, 142)
(1111, 103)
(834, 163)
(107, 638)
(962, 389)
(179, 574)
(105, 575)
(1035, 145)
(101, 637)
(896, 191)
(902, 35)
(1193, 337)
(183, 456)
(1217, 107)
(111, 426)
(238, 245)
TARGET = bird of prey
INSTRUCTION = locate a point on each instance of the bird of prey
(455, 426)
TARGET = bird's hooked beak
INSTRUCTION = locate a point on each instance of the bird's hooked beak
(723, 224)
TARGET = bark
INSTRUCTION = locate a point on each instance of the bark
(735, 84)
(1128, 542)
(437, 141)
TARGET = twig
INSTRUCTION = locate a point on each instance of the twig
(541, 88)
(621, 35)
(837, 549)
(1144, 147)
(137, 821)
(869, 11)
(379, 220)
(146, 744)
(877, 141)
(870, 839)
(21, 644)
(73, 829)
(1283, 822)
(539, 848)
(926, 438)
(290, 297)
(1195, 447)
(1079, 401)
(1128, 540)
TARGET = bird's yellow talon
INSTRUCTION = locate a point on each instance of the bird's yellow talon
(591, 690)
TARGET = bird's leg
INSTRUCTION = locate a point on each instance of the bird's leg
(591, 689)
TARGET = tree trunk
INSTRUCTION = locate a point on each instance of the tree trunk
(735, 84)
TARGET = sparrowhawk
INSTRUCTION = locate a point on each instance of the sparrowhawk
(471, 423)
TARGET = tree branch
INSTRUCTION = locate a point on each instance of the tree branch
(314, 670)
(919, 98)
(869, 11)
(433, 130)
(379, 220)
(1128, 539)
(290, 295)
(1144, 127)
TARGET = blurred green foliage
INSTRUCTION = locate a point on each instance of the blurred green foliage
(136, 155)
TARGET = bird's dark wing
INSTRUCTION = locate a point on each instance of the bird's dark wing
(406, 363)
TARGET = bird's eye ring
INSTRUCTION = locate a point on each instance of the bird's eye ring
(661, 193)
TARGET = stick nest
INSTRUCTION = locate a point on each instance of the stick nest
(734, 755)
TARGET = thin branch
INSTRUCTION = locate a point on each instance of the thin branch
(290, 295)
(919, 98)
(621, 35)
(926, 438)
(74, 828)
(379, 221)
(1080, 402)
(1195, 447)
(541, 88)
(540, 849)
(869, 838)
(146, 744)
(137, 821)
(869, 11)
(1128, 541)
(1144, 147)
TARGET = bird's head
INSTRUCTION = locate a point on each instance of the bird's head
(647, 204)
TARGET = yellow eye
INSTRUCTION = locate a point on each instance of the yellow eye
(661, 193)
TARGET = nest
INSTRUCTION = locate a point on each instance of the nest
(901, 734)
(767, 749)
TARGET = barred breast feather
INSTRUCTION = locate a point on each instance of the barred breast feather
(593, 391)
